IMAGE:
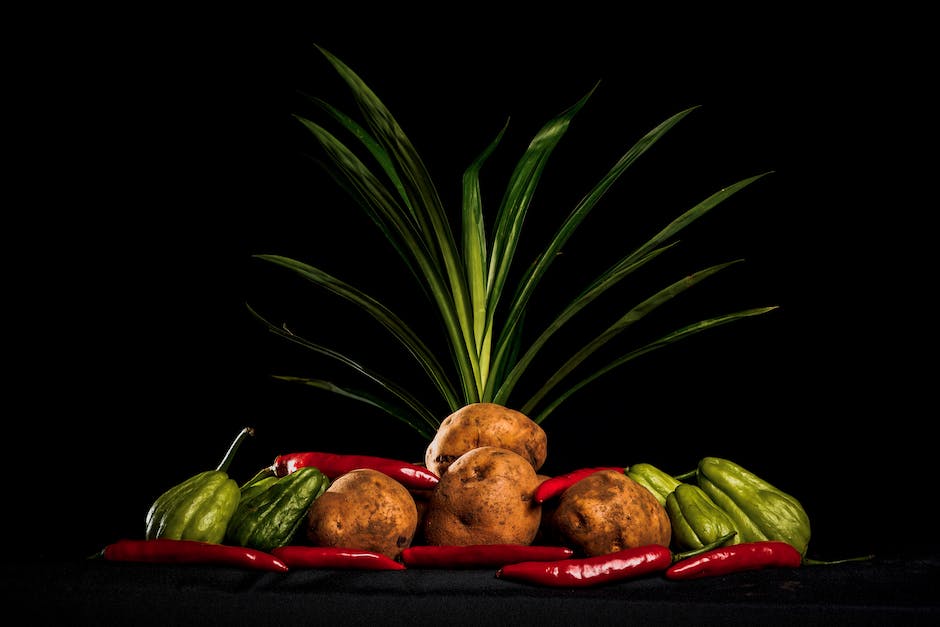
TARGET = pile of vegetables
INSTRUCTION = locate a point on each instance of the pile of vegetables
(478, 501)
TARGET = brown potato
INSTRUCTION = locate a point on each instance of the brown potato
(606, 512)
(485, 497)
(364, 509)
(486, 424)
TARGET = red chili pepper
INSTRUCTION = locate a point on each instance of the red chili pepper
(591, 571)
(598, 569)
(299, 556)
(480, 555)
(550, 488)
(736, 558)
(333, 465)
(169, 551)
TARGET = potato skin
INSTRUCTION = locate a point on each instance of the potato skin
(364, 509)
(606, 512)
(486, 424)
(485, 497)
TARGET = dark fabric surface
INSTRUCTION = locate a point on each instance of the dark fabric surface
(877, 592)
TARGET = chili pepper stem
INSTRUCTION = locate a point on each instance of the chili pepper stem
(227, 460)
(861, 558)
(676, 557)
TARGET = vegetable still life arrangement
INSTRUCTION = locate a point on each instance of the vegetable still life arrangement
(588, 527)
(477, 499)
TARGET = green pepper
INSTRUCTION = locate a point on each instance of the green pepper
(696, 521)
(270, 512)
(758, 510)
(200, 507)
(654, 480)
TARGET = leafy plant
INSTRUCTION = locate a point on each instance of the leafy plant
(467, 279)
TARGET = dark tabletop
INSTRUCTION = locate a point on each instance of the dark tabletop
(883, 590)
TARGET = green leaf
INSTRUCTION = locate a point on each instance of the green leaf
(421, 413)
(527, 286)
(429, 211)
(374, 148)
(382, 314)
(384, 210)
(602, 284)
(474, 251)
(666, 340)
(393, 409)
(620, 269)
(510, 218)
(631, 317)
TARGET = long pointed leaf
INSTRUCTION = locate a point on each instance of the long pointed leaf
(624, 322)
(666, 340)
(687, 218)
(426, 431)
(382, 314)
(474, 250)
(601, 285)
(524, 292)
(429, 210)
(518, 197)
(697, 212)
(407, 398)
(387, 214)
(374, 148)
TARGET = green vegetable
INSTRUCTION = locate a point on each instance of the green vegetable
(200, 507)
(696, 520)
(270, 512)
(758, 510)
(661, 484)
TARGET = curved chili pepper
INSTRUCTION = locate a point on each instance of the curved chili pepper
(169, 551)
(333, 465)
(480, 555)
(736, 558)
(598, 569)
(550, 488)
(300, 556)
(591, 571)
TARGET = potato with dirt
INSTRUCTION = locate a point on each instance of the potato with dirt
(486, 424)
(485, 497)
(606, 512)
(364, 509)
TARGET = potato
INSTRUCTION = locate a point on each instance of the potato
(606, 512)
(485, 424)
(485, 497)
(364, 509)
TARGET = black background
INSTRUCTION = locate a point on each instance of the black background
(155, 157)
